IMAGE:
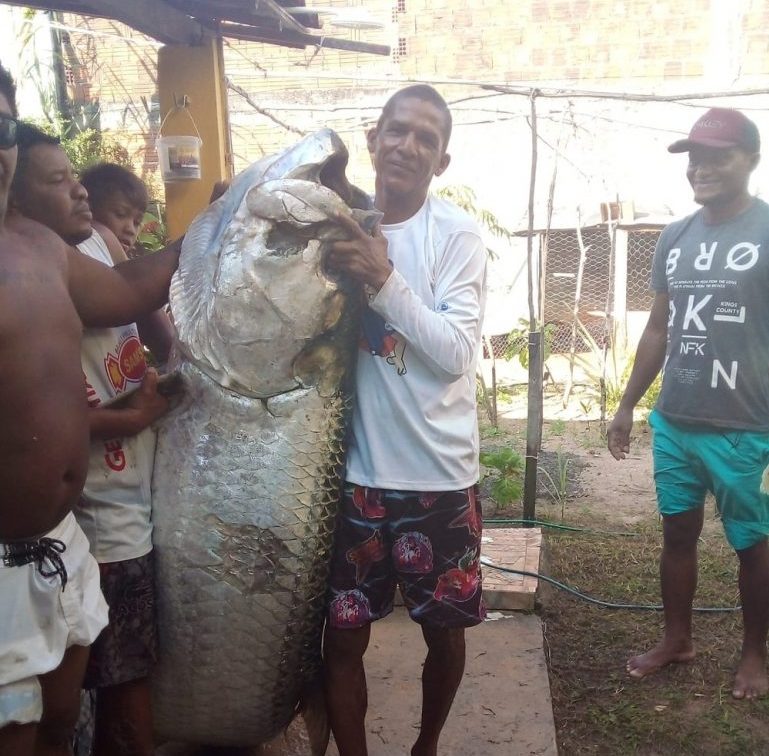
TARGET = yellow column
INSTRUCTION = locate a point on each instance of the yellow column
(198, 73)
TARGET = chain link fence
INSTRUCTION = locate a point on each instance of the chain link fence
(595, 292)
(640, 251)
(578, 287)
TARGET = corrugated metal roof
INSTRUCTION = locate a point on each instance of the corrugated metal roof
(189, 21)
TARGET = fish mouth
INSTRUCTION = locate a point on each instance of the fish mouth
(333, 177)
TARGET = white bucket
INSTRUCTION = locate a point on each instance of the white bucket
(179, 157)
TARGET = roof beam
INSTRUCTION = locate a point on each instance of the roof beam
(295, 39)
(170, 25)
(155, 19)
(287, 21)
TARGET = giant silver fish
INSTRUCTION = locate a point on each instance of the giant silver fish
(247, 468)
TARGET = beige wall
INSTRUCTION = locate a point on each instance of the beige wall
(635, 45)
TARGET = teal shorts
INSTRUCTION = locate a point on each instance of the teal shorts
(690, 460)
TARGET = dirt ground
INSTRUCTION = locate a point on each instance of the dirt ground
(686, 709)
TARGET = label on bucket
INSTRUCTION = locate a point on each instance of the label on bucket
(179, 157)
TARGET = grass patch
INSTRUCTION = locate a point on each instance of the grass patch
(684, 709)
(556, 427)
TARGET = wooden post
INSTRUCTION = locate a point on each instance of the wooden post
(197, 72)
(534, 418)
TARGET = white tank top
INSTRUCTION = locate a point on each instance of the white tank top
(115, 508)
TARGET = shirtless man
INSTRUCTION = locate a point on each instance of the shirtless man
(49, 583)
(114, 510)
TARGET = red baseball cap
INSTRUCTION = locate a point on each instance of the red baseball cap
(721, 127)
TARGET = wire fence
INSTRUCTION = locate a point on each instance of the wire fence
(585, 304)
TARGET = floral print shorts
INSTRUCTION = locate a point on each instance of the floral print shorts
(427, 543)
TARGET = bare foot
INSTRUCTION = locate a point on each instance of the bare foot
(750, 682)
(659, 656)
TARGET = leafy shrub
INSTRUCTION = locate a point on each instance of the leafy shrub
(508, 484)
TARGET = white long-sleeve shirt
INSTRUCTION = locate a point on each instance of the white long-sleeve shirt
(414, 425)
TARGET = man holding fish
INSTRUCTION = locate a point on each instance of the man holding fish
(410, 513)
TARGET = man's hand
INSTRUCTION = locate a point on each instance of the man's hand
(146, 404)
(361, 257)
(131, 412)
(618, 433)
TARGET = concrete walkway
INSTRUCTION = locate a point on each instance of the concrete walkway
(503, 706)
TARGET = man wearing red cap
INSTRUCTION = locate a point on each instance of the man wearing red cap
(709, 329)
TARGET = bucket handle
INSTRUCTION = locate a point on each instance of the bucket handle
(184, 106)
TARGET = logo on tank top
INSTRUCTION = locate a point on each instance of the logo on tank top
(127, 365)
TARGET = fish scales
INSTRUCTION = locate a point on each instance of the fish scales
(247, 468)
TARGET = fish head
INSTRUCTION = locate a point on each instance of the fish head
(253, 305)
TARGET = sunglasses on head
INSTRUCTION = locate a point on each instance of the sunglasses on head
(9, 132)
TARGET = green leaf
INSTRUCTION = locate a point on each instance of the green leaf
(506, 491)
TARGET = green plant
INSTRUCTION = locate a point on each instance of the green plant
(153, 234)
(557, 484)
(491, 431)
(506, 394)
(518, 343)
(87, 147)
(557, 427)
(508, 484)
(90, 146)
(615, 391)
(603, 368)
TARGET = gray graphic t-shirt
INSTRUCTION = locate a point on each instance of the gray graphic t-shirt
(717, 277)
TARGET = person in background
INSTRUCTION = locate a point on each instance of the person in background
(114, 510)
(709, 328)
(410, 512)
(118, 199)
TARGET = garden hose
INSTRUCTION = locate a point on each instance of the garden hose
(546, 524)
(599, 602)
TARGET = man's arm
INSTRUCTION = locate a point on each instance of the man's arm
(144, 407)
(155, 330)
(447, 338)
(157, 334)
(648, 362)
(105, 296)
